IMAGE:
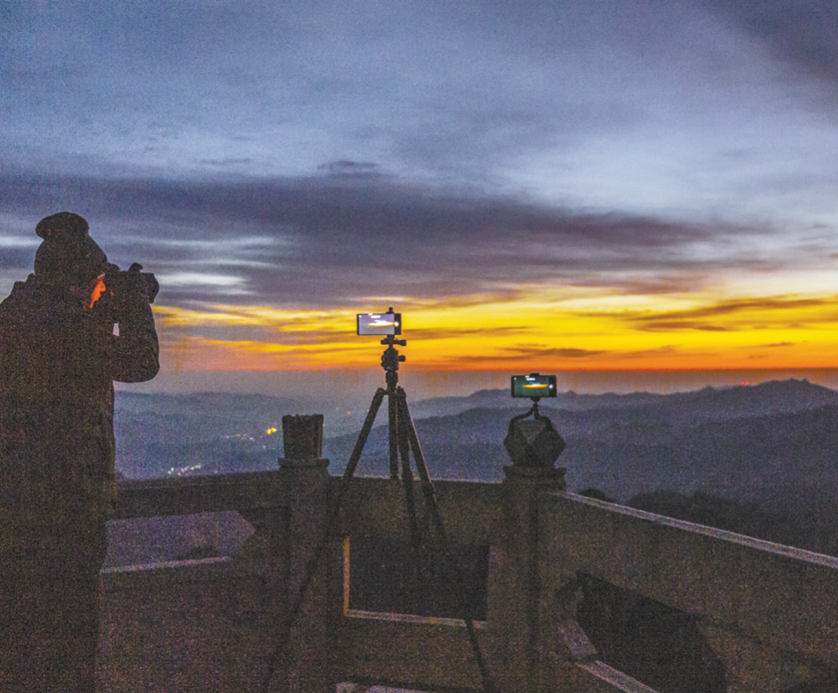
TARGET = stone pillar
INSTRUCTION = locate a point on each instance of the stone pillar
(310, 662)
(515, 618)
(302, 436)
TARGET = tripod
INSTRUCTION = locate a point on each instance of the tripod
(402, 441)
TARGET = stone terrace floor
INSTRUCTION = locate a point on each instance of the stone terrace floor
(162, 636)
(193, 635)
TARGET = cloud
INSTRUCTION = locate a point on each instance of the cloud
(224, 163)
(676, 325)
(737, 315)
(533, 353)
(345, 167)
(335, 238)
(570, 353)
(648, 354)
(804, 32)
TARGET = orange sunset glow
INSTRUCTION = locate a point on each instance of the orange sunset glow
(533, 328)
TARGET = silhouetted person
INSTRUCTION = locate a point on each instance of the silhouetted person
(59, 357)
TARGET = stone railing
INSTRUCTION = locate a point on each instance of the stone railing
(767, 615)
(768, 612)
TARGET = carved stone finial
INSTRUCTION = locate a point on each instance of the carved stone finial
(533, 443)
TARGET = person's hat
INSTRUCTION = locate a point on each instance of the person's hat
(68, 252)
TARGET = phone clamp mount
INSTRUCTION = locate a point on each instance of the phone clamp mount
(403, 441)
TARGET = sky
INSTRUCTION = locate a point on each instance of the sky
(581, 187)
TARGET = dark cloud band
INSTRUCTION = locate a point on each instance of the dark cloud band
(334, 238)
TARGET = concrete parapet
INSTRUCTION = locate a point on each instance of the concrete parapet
(770, 612)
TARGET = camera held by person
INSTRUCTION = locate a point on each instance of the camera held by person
(133, 280)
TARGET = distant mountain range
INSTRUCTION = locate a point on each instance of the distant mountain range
(629, 444)
(770, 397)
(769, 447)
(685, 434)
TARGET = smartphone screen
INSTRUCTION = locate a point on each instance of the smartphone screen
(379, 323)
(534, 385)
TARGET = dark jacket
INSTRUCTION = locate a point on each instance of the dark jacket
(58, 361)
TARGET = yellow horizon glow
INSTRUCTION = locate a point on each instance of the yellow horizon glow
(539, 327)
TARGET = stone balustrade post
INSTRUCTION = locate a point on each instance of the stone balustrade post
(515, 618)
(310, 662)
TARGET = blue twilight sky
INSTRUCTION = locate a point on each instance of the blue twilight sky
(324, 154)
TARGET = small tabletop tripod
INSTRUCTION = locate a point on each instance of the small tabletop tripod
(402, 441)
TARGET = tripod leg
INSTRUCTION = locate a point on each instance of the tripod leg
(393, 429)
(419, 583)
(355, 457)
(421, 466)
(284, 633)
(393, 423)
(430, 499)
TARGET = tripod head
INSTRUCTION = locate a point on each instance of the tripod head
(390, 359)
